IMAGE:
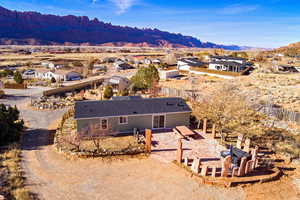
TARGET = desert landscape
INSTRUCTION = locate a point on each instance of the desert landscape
(100, 111)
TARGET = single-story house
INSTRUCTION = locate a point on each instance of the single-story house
(58, 75)
(185, 64)
(28, 74)
(147, 61)
(99, 68)
(166, 74)
(227, 66)
(122, 65)
(123, 116)
(227, 59)
(156, 61)
(118, 83)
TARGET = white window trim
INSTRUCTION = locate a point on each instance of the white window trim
(165, 122)
(126, 117)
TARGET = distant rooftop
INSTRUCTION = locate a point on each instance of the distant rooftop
(227, 57)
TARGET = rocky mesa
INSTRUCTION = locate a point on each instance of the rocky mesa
(33, 28)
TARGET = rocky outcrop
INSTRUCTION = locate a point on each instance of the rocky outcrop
(33, 28)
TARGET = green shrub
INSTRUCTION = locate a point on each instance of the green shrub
(11, 126)
(108, 92)
(18, 77)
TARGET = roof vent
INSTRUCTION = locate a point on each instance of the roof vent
(134, 112)
(180, 104)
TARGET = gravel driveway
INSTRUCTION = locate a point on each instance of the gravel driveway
(51, 176)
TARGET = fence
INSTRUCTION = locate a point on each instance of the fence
(14, 86)
(186, 94)
(280, 113)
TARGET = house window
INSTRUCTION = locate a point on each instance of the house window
(104, 124)
(123, 120)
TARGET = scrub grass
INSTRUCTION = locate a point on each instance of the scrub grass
(13, 179)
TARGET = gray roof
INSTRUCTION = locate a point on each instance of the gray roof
(192, 62)
(227, 57)
(110, 108)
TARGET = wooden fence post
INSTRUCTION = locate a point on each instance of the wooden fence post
(179, 151)
(148, 140)
(204, 125)
(214, 130)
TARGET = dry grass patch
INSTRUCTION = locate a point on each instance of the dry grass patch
(14, 185)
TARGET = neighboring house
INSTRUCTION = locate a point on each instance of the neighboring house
(287, 68)
(118, 83)
(41, 73)
(156, 61)
(227, 66)
(121, 65)
(52, 65)
(58, 75)
(99, 68)
(147, 61)
(227, 59)
(166, 74)
(28, 74)
(228, 63)
(185, 64)
(123, 116)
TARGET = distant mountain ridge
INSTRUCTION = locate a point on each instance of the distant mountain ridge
(33, 28)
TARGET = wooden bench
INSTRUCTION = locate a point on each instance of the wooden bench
(184, 131)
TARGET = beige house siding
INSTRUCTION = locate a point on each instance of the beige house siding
(178, 119)
(141, 122)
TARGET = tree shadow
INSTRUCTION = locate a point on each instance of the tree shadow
(34, 139)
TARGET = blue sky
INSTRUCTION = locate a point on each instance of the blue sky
(257, 23)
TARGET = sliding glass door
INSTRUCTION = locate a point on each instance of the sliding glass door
(159, 121)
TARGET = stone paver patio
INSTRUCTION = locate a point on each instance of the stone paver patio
(164, 147)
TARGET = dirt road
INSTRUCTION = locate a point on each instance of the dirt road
(52, 176)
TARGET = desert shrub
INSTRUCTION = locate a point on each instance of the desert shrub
(18, 77)
(11, 126)
(108, 92)
(124, 92)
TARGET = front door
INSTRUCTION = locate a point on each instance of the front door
(159, 121)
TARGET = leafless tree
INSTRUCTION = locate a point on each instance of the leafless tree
(72, 139)
(96, 132)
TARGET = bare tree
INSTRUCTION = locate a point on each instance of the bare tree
(228, 109)
(96, 132)
(72, 139)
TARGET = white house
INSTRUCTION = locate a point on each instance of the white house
(166, 74)
(118, 83)
(58, 75)
(185, 64)
(156, 61)
(226, 66)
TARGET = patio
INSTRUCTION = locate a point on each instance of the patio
(164, 147)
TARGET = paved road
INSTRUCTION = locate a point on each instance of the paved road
(51, 176)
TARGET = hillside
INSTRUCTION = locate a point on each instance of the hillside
(32, 28)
